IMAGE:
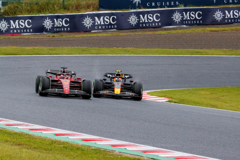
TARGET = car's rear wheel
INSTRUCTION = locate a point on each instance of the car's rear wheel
(97, 86)
(87, 87)
(37, 83)
(138, 89)
(43, 85)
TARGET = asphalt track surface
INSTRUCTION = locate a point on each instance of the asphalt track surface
(207, 132)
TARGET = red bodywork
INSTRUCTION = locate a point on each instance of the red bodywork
(65, 82)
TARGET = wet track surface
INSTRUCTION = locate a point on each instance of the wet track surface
(196, 130)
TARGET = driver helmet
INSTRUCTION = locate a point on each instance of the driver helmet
(117, 79)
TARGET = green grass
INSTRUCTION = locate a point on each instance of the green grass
(35, 7)
(226, 98)
(21, 146)
(6, 51)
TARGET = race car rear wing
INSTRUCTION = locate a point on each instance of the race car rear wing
(112, 75)
(59, 72)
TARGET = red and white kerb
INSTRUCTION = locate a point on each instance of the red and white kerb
(153, 98)
(101, 141)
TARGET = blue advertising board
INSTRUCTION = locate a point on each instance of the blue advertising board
(118, 20)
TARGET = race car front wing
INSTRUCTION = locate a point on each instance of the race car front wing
(111, 93)
(60, 91)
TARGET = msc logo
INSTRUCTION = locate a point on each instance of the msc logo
(218, 15)
(16, 26)
(232, 14)
(21, 24)
(4, 26)
(149, 18)
(57, 22)
(191, 17)
(133, 20)
(103, 22)
(145, 19)
(61, 22)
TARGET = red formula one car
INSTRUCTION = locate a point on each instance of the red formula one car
(63, 82)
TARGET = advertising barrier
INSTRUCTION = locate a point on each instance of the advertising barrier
(118, 20)
(134, 4)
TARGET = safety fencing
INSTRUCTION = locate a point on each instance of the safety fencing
(118, 20)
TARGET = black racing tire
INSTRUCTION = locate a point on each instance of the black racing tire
(138, 89)
(97, 86)
(37, 83)
(87, 87)
(43, 85)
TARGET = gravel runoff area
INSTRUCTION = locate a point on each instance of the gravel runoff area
(204, 40)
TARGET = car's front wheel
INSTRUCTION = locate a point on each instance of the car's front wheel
(87, 87)
(97, 86)
(138, 89)
(37, 83)
(44, 84)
